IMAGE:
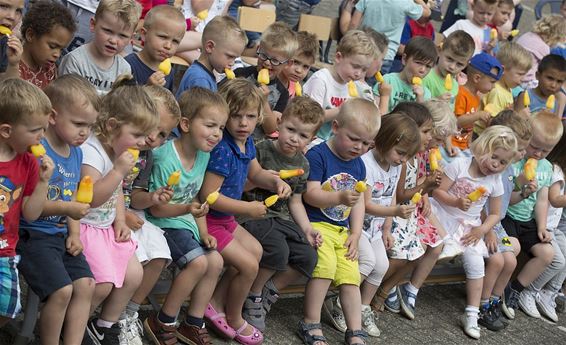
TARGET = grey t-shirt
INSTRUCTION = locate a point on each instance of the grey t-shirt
(79, 61)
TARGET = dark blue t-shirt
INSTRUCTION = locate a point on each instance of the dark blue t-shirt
(142, 72)
(228, 161)
(197, 75)
(334, 174)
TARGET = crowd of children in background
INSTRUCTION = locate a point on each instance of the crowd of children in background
(407, 150)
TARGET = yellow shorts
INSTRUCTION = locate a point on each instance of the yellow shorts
(332, 263)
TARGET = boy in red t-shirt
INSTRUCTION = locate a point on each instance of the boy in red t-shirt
(24, 114)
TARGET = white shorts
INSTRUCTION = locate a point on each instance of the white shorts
(151, 242)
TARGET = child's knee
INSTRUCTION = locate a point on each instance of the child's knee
(509, 261)
(62, 296)
(496, 261)
(435, 251)
(134, 273)
(198, 266)
(215, 263)
(249, 266)
(84, 286)
(474, 266)
(256, 250)
(546, 253)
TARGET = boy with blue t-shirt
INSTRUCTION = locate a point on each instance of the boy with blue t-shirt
(551, 74)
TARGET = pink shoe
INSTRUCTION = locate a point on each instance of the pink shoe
(253, 339)
(218, 322)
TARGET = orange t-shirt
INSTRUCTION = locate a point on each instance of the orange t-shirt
(466, 103)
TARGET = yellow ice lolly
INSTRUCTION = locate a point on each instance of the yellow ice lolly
(530, 169)
(202, 14)
(134, 152)
(298, 89)
(526, 99)
(5, 31)
(165, 66)
(37, 150)
(550, 102)
(229, 74)
(433, 157)
(174, 178)
(212, 197)
(417, 81)
(271, 200)
(493, 34)
(283, 174)
(379, 77)
(416, 198)
(477, 194)
(361, 186)
(263, 76)
(352, 89)
(85, 191)
(514, 33)
(448, 82)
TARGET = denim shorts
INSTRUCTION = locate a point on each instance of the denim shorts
(184, 246)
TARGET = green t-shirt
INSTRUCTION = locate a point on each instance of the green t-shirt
(524, 211)
(401, 91)
(435, 83)
(166, 161)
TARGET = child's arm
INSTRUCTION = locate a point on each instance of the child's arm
(122, 232)
(15, 50)
(299, 214)
(467, 120)
(441, 194)
(541, 213)
(426, 9)
(71, 209)
(356, 223)
(166, 210)
(356, 20)
(430, 183)
(490, 221)
(384, 95)
(346, 15)
(208, 240)
(266, 180)
(317, 197)
(32, 206)
(555, 197)
(393, 210)
(519, 104)
(73, 242)
(142, 199)
(269, 124)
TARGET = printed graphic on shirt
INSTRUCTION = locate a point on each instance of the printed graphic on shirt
(9, 193)
(338, 182)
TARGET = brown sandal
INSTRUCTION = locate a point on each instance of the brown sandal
(378, 300)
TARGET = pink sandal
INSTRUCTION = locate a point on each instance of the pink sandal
(253, 339)
(218, 322)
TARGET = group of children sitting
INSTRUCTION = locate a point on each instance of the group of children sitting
(400, 170)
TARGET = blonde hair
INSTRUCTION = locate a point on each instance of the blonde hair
(551, 28)
(242, 94)
(361, 111)
(512, 55)
(280, 38)
(306, 110)
(222, 29)
(548, 125)
(162, 96)
(167, 12)
(70, 88)
(192, 102)
(21, 100)
(398, 129)
(128, 11)
(357, 42)
(128, 103)
(518, 122)
(493, 138)
(443, 118)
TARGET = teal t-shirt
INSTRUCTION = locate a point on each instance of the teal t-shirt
(524, 211)
(166, 160)
(401, 91)
(435, 84)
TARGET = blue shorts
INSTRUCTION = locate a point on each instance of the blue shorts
(184, 246)
(9, 287)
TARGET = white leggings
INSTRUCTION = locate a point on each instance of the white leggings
(474, 265)
(373, 259)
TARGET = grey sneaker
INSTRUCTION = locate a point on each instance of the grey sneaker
(333, 310)
(269, 295)
(528, 304)
(488, 319)
(254, 313)
(369, 319)
(131, 330)
(403, 296)
(392, 303)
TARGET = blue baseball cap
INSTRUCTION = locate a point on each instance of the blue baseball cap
(485, 63)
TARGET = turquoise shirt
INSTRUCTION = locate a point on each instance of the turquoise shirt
(435, 83)
(524, 211)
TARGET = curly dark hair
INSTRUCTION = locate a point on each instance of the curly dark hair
(44, 15)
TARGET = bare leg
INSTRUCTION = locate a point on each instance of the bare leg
(77, 311)
(202, 292)
(53, 314)
(352, 308)
(101, 292)
(425, 265)
(398, 269)
(118, 298)
(263, 276)
(543, 254)
(184, 284)
(367, 290)
(492, 271)
(151, 272)
(509, 264)
(283, 279)
(315, 293)
(473, 291)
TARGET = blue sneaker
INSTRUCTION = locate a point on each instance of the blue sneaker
(392, 304)
(407, 308)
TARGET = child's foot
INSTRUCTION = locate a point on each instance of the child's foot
(218, 322)
(311, 333)
(191, 334)
(247, 334)
(407, 300)
(131, 330)
(497, 306)
(546, 304)
(368, 321)
(269, 295)
(488, 319)
(158, 332)
(392, 303)
(528, 304)
(470, 325)
(333, 310)
(254, 313)
(357, 337)
(560, 302)
(103, 335)
(510, 302)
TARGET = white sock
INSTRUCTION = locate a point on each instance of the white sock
(472, 314)
(104, 323)
(412, 289)
(392, 296)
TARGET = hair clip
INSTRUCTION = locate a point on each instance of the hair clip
(399, 138)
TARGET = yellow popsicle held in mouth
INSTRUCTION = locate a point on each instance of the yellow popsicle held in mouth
(5, 31)
(134, 152)
(417, 81)
(263, 76)
(229, 74)
(448, 82)
(352, 89)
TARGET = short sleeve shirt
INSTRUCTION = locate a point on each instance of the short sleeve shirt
(46, 74)
(228, 161)
(478, 33)
(435, 83)
(142, 72)
(197, 75)
(334, 174)
(524, 210)
(466, 103)
(402, 91)
(554, 214)
(500, 99)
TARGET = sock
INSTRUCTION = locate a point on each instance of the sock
(494, 298)
(412, 289)
(255, 297)
(166, 319)
(104, 323)
(365, 307)
(132, 308)
(484, 303)
(472, 314)
(392, 296)
(194, 321)
(515, 285)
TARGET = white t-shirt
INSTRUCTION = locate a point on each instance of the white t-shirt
(477, 33)
(554, 214)
(216, 9)
(383, 185)
(95, 156)
(89, 5)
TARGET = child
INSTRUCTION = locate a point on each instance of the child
(418, 58)
(152, 250)
(99, 61)
(231, 162)
(526, 216)
(163, 29)
(24, 113)
(336, 210)
(10, 45)
(328, 86)
(299, 66)
(222, 42)
(501, 17)
(204, 114)
(547, 32)
(52, 262)
(516, 61)
(551, 74)
(382, 88)
(477, 26)
(492, 152)
(277, 47)
(287, 237)
(47, 28)
(483, 72)
(456, 51)
(126, 113)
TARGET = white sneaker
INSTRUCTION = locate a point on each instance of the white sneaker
(528, 304)
(131, 330)
(546, 304)
(450, 250)
(368, 321)
(470, 326)
(333, 310)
